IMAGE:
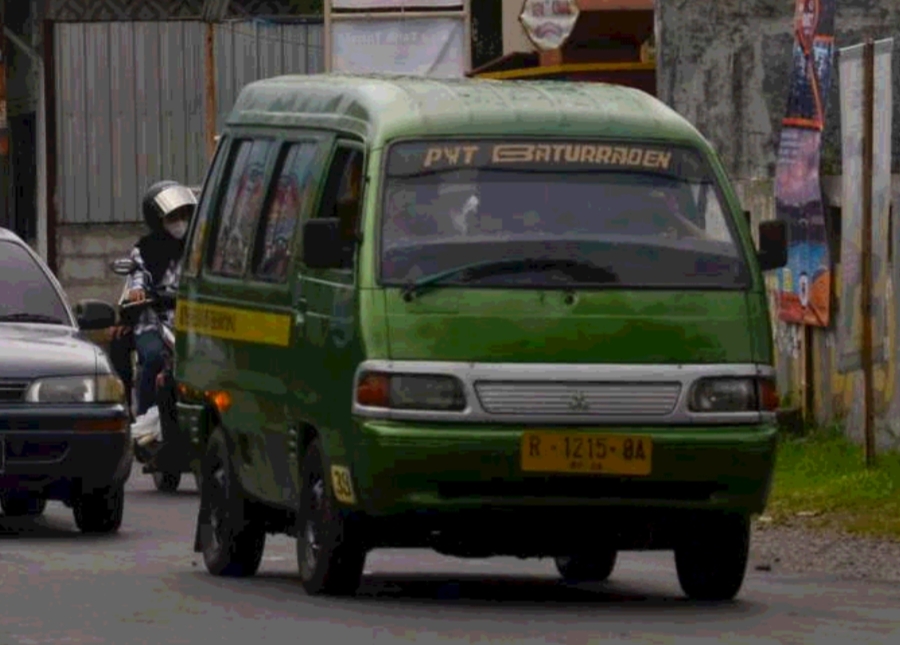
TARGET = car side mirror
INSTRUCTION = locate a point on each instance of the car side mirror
(123, 266)
(95, 314)
(323, 245)
(773, 245)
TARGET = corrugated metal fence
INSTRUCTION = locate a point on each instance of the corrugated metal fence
(130, 107)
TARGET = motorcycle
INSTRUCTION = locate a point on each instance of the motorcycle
(160, 446)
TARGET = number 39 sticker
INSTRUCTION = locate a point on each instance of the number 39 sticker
(342, 484)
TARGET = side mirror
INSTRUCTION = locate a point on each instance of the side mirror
(122, 266)
(95, 314)
(773, 245)
(323, 246)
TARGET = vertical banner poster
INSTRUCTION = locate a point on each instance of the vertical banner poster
(432, 47)
(805, 283)
(852, 87)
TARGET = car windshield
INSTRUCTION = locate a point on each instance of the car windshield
(640, 216)
(27, 294)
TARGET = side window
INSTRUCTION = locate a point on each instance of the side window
(286, 210)
(198, 235)
(343, 197)
(240, 210)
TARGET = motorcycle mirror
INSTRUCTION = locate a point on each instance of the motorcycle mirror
(122, 266)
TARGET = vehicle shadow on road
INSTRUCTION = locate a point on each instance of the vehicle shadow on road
(44, 529)
(390, 593)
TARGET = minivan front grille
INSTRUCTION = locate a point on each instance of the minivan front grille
(578, 398)
(12, 391)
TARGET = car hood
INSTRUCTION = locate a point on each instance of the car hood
(612, 326)
(35, 351)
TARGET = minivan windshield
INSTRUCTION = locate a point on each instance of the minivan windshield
(560, 214)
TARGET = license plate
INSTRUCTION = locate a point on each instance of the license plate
(559, 452)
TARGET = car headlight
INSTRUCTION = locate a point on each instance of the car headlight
(734, 395)
(105, 388)
(411, 392)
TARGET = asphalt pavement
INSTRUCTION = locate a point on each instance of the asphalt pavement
(146, 586)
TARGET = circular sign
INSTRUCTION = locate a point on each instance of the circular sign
(549, 23)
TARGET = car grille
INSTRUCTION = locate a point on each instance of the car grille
(12, 391)
(578, 399)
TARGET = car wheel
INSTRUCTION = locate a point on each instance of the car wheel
(712, 562)
(596, 567)
(100, 512)
(22, 505)
(166, 482)
(330, 554)
(231, 542)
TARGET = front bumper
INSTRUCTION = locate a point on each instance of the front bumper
(398, 468)
(64, 450)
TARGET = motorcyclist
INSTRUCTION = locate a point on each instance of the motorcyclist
(167, 209)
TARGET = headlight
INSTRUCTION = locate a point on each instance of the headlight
(106, 388)
(411, 392)
(725, 395)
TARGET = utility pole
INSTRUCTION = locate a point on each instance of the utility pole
(6, 218)
(866, 249)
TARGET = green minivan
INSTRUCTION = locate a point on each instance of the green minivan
(484, 317)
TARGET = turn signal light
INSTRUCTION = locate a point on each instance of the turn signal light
(221, 400)
(374, 390)
(768, 395)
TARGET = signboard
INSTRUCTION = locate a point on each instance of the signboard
(804, 292)
(395, 4)
(852, 81)
(549, 23)
(433, 47)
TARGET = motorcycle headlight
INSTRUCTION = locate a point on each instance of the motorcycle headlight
(105, 388)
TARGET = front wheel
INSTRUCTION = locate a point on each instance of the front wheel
(166, 482)
(100, 512)
(712, 562)
(597, 567)
(330, 553)
(231, 542)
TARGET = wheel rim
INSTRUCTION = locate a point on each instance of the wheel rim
(313, 528)
(216, 489)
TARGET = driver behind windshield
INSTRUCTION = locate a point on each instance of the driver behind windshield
(167, 208)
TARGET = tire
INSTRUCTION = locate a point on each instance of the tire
(712, 563)
(231, 541)
(100, 512)
(166, 482)
(22, 505)
(583, 568)
(330, 554)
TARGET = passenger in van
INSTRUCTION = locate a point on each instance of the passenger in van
(347, 206)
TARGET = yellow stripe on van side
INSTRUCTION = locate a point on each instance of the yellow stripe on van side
(233, 324)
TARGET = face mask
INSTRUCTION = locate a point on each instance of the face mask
(177, 229)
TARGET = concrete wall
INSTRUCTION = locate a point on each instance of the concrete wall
(85, 252)
(724, 65)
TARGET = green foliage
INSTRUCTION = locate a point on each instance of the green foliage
(824, 475)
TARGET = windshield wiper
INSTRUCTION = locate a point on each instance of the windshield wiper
(477, 270)
(24, 316)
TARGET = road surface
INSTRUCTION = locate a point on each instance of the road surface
(146, 586)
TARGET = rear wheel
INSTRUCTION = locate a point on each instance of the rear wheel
(712, 561)
(100, 511)
(231, 542)
(14, 505)
(166, 482)
(596, 567)
(330, 553)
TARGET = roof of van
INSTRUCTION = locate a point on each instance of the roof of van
(382, 107)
